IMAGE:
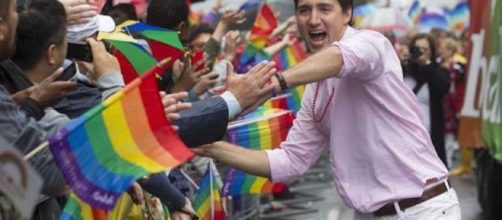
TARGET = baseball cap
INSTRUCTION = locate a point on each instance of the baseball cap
(100, 23)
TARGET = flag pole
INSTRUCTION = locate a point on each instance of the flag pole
(189, 179)
(210, 167)
(40, 147)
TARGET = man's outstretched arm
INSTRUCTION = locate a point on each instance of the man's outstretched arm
(250, 161)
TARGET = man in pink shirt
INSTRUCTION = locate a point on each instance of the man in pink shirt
(357, 106)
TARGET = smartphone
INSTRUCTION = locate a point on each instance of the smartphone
(197, 56)
(80, 52)
(68, 73)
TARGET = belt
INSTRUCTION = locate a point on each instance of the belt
(432, 192)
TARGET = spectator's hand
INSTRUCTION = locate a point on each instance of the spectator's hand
(230, 17)
(103, 62)
(19, 96)
(186, 213)
(136, 193)
(172, 105)
(290, 21)
(49, 92)
(206, 82)
(79, 11)
(287, 40)
(189, 75)
(233, 38)
(253, 88)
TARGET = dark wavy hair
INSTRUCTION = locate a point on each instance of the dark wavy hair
(41, 23)
(346, 5)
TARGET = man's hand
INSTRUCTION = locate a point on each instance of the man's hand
(233, 38)
(206, 82)
(172, 105)
(253, 88)
(79, 11)
(49, 92)
(103, 62)
(136, 193)
(230, 17)
(189, 74)
(19, 96)
(186, 213)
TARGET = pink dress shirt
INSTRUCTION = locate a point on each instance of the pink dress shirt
(373, 127)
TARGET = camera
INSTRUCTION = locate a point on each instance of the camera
(415, 52)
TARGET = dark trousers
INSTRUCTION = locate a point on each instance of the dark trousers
(489, 177)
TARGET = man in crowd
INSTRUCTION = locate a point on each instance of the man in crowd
(383, 161)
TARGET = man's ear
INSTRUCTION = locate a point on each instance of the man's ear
(347, 16)
(50, 54)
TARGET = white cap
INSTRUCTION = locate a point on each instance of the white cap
(102, 23)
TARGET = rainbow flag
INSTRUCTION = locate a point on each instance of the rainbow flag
(415, 12)
(207, 203)
(361, 12)
(263, 26)
(428, 21)
(290, 56)
(459, 16)
(263, 129)
(126, 137)
(134, 60)
(163, 43)
(290, 100)
(76, 209)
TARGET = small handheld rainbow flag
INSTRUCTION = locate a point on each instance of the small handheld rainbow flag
(264, 25)
(262, 129)
(208, 201)
(163, 43)
(76, 209)
(126, 137)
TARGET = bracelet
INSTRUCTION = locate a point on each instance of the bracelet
(282, 81)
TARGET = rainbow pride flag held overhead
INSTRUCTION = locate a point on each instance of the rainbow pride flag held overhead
(433, 20)
(415, 12)
(76, 209)
(126, 137)
(263, 26)
(208, 204)
(459, 16)
(262, 129)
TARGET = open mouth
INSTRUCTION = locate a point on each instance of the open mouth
(317, 35)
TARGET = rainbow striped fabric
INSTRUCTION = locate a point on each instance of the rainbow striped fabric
(163, 43)
(415, 12)
(262, 129)
(459, 16)
(126, 137)
(207, 203)
(76, 209)
(263, 26)
(290, 100)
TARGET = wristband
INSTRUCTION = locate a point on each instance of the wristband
(282, 81)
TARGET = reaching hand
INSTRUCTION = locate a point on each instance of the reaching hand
(230, 17)
(186, 213)
(233, 38)
(253, 88)
(136, 193)
(49, 92)
(189, 74)
(79, 11)
(172, 105)
(103, 62)
(206, 82)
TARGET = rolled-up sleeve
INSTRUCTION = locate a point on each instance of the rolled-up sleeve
(303, 146)
(362, 54)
